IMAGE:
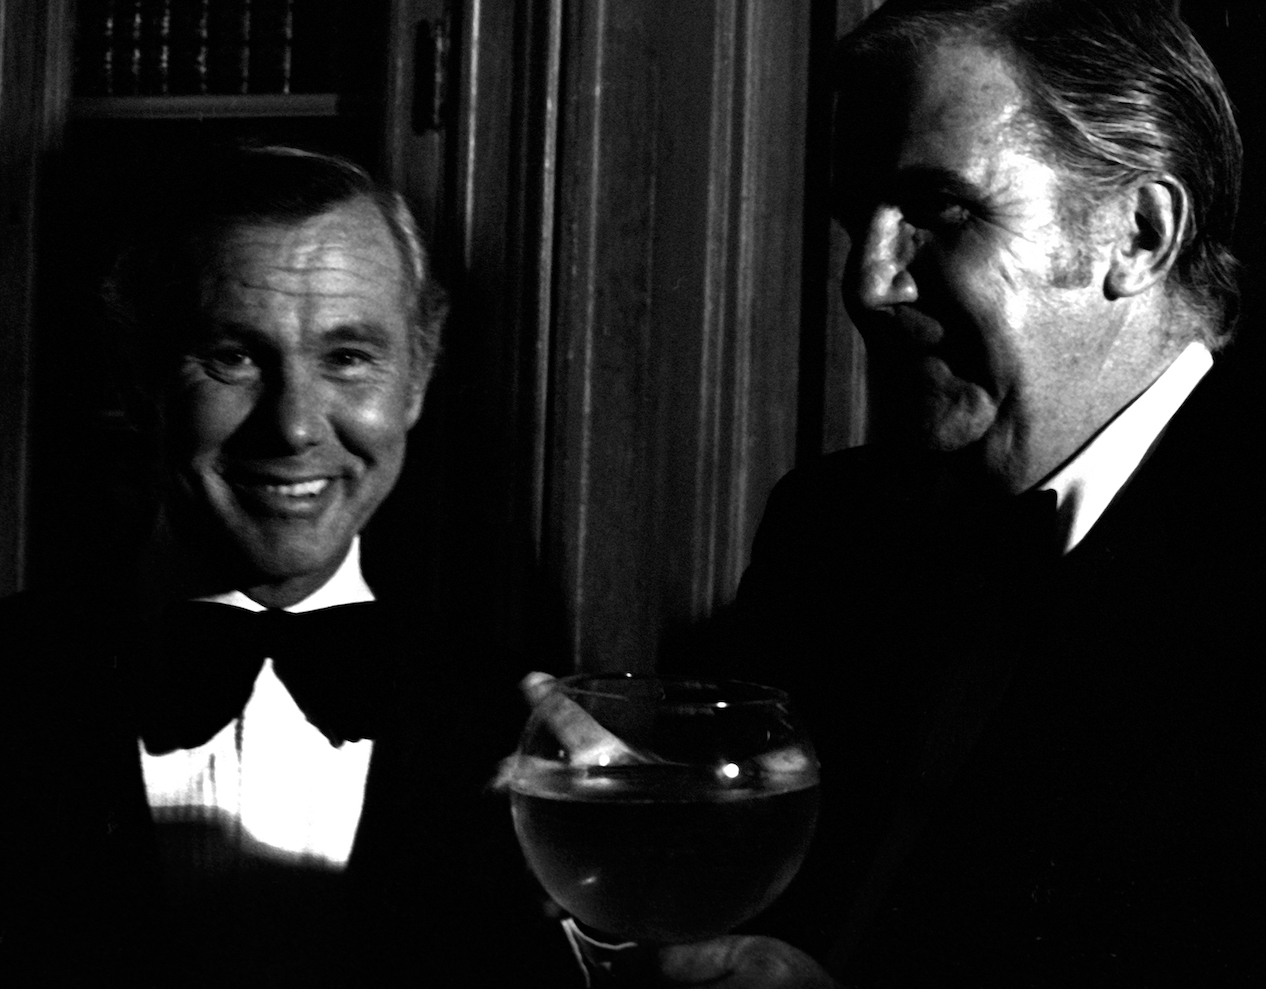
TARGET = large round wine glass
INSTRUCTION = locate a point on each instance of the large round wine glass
(663, 810)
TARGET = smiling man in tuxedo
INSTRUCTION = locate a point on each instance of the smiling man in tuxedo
(295, 392)
(1025, 624)
(229, 762)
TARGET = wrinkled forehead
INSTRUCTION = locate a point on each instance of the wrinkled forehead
(345, 250)
(958, 100)
(959, 86)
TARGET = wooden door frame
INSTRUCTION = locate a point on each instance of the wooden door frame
(35, 80)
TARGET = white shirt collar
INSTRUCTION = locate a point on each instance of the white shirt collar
(1087, 483)
(346, 586)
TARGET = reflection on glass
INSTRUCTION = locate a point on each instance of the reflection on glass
(663, 810)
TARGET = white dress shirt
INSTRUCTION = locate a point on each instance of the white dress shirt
(270, 783)
(1087, 483)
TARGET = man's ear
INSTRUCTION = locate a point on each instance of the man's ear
(418, 380)
(1155, 229)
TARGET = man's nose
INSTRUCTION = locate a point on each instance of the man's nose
(878, 274)
(297, 409)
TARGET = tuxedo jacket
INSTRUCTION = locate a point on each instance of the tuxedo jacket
(1037, 770)
(435, 891)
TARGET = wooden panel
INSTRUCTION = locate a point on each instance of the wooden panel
(413, 159)
(198, 107)
(34, 80)
(473, 488)
(677, 329)
(498, 343)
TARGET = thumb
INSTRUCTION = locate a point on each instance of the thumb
(536, 687)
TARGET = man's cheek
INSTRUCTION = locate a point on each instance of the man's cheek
(374, 430)
(210, 414)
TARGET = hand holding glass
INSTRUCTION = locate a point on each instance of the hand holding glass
(663, 810)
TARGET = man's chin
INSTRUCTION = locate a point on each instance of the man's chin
(265, 561)
(955, 422)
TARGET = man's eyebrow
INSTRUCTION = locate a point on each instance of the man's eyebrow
(210, 326)
(921, 178)
(361, 332)
(907, 183)
(366, 332)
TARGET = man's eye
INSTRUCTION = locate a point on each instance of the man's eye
(229, 362)
(230, 356)
(348, 358)
(938, 213)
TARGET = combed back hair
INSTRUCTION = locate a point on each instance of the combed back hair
(153, 290)
(1117, 91)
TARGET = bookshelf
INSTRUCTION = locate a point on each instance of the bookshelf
(181, 48)
(209, 72)
(200, 106)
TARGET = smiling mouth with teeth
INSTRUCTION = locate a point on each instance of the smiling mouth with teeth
(306, 489)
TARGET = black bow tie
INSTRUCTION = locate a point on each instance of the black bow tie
(335, 662)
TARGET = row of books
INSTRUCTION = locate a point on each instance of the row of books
(167, 47)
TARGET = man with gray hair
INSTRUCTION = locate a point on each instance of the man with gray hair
(1025, 627)
(230, 761)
